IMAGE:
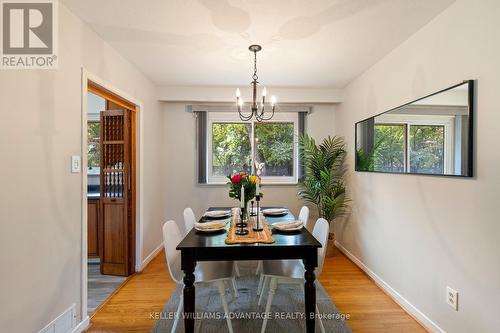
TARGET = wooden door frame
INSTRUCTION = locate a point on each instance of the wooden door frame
(87, 77)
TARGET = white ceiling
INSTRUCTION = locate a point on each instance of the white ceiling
(306, 43)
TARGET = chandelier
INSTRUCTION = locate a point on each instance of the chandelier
(256, 109)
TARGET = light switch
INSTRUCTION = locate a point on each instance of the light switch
(76, 164)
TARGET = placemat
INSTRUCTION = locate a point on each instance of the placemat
(264, 236)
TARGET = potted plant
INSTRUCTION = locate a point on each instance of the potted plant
(322, 183)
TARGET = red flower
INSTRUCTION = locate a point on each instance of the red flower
(236, 179)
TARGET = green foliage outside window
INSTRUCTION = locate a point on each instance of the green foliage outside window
(427, 149)
(389, 154)
(93, 131)
(231, 148)
(274, 148)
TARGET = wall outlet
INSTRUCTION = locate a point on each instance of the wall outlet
(452, 298)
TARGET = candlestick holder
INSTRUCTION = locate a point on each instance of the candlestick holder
(258, 226)
(243, 214)
(252, 213)
(241, 225)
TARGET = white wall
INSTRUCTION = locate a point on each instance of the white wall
(40, 200)
(418, 233)
(180, 149)
(227, 94)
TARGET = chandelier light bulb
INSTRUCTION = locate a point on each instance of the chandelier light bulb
(264, 92)
(238, 93)
(273, 100)
(240, 102)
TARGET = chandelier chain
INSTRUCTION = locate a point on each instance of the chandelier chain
(255, 76)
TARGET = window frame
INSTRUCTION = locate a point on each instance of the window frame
(233, 118)
(428, 120)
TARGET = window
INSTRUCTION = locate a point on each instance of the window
(423, 144)
(234, 145)
(231, 148)
(274, 148)
(93, 130)
(95, 104)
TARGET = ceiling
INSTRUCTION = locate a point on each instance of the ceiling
(306, 43)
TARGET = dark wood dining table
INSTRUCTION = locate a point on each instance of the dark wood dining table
(200, 246)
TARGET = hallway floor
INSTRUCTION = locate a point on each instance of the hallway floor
(100, 286)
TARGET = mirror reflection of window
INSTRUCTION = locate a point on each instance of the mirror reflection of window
(427, 149)
(390, 146)
(428, 136)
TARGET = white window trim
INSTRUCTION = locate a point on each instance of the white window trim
(422, 120)
(225, 117)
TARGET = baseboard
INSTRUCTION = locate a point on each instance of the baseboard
(150, 257)
(82, 326)
(425, 321)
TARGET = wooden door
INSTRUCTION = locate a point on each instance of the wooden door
(93, 228)
(117, 222)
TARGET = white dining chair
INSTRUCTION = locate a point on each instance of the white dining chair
(189, 222)
(217, 273)
(292, 271)
(304, 217)
(189, 219)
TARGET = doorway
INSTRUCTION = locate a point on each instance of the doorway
(111, 193)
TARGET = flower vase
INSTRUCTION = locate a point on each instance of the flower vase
(244, 211)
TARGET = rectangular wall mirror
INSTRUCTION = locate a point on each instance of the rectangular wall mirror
(432, 136)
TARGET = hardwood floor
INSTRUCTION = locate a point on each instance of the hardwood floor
(354, 293)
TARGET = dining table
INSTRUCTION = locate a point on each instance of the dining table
(201, 246)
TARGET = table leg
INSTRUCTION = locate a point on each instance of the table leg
(310, 296)
(189, 294)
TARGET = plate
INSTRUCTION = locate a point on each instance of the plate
(275, 212)
(210, 230)
(217, 214)
(288, 229)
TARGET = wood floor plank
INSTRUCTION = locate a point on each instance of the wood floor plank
(354, 293)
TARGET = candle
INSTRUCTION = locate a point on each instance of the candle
(257, 187)
(242, 197)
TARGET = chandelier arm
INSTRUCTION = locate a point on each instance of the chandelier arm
(261, 116)
(242, 116)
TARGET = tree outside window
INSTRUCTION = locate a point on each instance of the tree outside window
(93, 132)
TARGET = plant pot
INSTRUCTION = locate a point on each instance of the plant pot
(330, 248)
